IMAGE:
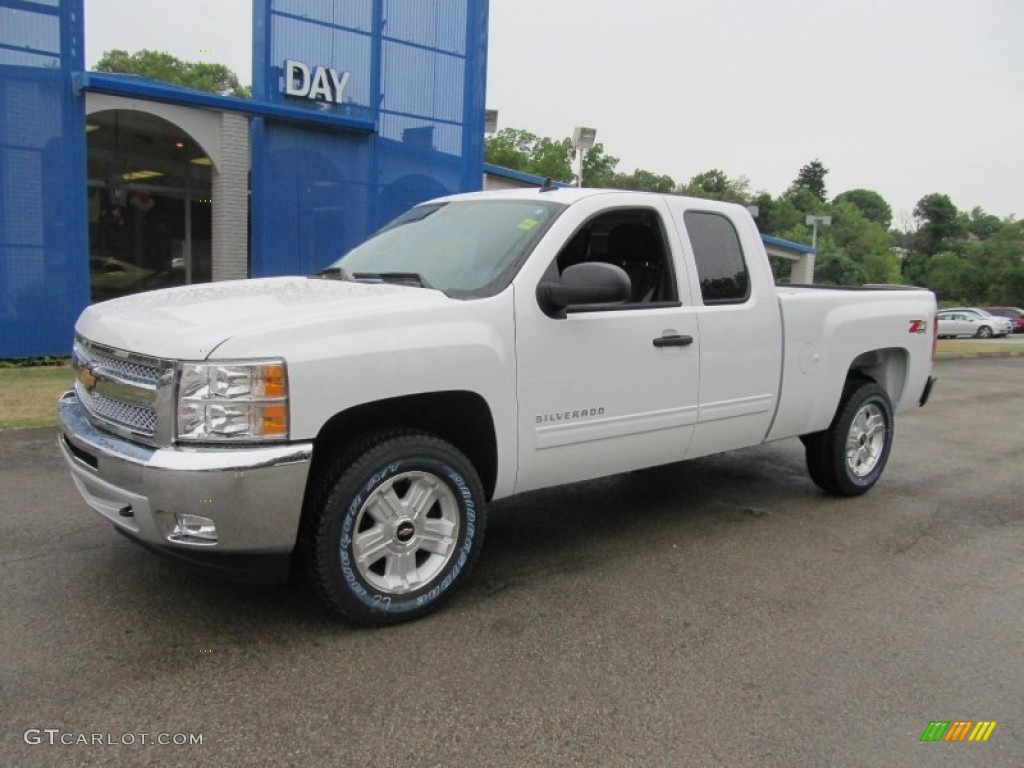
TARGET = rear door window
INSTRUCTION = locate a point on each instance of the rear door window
(721, 268)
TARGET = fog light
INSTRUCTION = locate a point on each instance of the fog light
(194, 527)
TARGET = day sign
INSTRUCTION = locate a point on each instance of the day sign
(314, 83)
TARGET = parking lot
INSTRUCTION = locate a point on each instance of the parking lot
(718, 612)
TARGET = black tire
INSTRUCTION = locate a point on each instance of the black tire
(984, 332)
(377, 572)
(865, 414)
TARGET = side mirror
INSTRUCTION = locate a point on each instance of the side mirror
(592, 282)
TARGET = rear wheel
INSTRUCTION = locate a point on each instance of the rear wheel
(848, 458)
(394, 527)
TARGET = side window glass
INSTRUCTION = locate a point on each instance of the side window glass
(632, 239)
(721, 270)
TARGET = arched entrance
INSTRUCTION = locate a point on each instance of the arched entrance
(149, 191)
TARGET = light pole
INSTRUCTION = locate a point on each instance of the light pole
(814, 221)
(582, 141)
(490, 121)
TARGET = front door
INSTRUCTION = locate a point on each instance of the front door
(614, 388)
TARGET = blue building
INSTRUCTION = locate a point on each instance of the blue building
(111, 184)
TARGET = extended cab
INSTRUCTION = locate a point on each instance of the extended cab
(478, 346)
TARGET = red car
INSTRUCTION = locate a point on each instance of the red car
(1015, 314)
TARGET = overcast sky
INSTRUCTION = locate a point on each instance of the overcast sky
(906, 97)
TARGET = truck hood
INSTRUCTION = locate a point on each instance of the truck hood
(188, 323)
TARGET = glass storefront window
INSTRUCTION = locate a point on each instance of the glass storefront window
(150, 205)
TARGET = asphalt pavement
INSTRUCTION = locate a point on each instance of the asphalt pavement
(717, 612)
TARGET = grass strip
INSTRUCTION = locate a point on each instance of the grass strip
(28, 396)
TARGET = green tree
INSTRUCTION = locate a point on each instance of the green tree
(510, 148)
(552, 158)
(980, 224)
(805, 201)
(833, 267)
(855, 233)
(542, 156)
(1001, 256)
(939, 221)
(598, 167)
(812, 178)
(524, 151)
(883, 267)
(956, 278)
(776, 215)
(915, 269)
(871, 204)
(715, 184)
(643, 181)
(202, 76)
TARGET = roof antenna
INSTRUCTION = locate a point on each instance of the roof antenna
(547, 186)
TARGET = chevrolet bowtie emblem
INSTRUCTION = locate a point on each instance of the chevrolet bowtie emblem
(88, 378)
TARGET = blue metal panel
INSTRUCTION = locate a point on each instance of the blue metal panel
(430, 23)
(423, 83)
(38, 36)
(318, 189)
(44, 269)
(353, 14)
(475, 99)
(417, 70)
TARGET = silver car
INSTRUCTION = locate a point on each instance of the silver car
(970, 321)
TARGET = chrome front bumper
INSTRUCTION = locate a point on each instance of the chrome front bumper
(252, 493)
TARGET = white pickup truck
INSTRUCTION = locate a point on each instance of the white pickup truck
(480, 345)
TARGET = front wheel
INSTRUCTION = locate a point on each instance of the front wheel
(394, 528)
(984, 332)
(848, 458)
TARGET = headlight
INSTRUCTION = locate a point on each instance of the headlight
(233, 401)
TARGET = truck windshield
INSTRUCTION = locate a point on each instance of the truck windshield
(464, 248)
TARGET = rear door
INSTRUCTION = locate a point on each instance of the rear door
(740, 326)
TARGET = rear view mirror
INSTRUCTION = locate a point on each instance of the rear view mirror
(592, 282)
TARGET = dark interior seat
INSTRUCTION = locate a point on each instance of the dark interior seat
(634, 247)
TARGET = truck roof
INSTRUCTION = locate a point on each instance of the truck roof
(570, 195)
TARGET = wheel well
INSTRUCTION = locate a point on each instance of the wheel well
(461, 418)
(885, 367)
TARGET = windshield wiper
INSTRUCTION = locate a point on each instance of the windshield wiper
(401, 278)
(333, 273)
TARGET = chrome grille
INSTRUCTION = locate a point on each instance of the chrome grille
(134, 417)
(125, 392)
(127, 369)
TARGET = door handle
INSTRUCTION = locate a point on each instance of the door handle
(675, 340)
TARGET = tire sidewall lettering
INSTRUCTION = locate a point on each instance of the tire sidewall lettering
(394, 604)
